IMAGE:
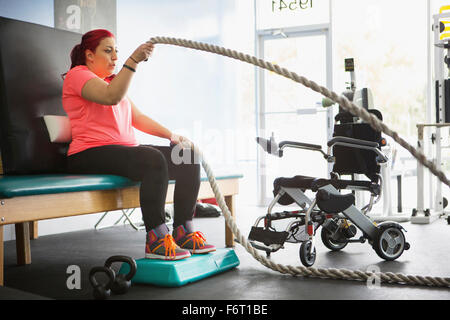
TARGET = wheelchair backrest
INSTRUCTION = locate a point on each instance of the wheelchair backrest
(356, 161)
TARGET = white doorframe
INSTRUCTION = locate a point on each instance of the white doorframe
(261, 36)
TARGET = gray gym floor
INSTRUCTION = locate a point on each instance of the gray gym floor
(51, 255)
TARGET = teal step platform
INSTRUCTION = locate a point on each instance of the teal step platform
(178, 273)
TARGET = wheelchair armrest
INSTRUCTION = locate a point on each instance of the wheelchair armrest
(359, 144)
(353, 141)
(300, 145)
(270, 146)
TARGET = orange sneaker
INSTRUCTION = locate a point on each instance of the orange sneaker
(164, 248)
(195, 242)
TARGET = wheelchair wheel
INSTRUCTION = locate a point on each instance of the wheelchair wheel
(330, 243)
(390, 243)
(306, 256)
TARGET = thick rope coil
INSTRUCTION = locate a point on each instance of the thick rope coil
(330, 273)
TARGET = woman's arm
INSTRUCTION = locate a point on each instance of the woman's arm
(145, 124)
(101, 92)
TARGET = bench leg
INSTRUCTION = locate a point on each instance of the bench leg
(23, 243)
(229, 237)
(2, 265)
(34, 233)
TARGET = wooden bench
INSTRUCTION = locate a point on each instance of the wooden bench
(24, 200)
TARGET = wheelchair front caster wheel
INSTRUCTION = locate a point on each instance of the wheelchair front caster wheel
(390, 243)
(307, 257)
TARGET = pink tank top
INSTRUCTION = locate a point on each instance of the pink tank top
(93, 124)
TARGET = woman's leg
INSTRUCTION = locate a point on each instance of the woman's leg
(149, 166)
(140, 163)
(187, 184)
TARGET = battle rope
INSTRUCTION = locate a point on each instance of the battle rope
(332, 273)
(341, 100)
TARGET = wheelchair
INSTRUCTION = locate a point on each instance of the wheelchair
(354, 150)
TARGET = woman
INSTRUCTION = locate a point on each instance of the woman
(103, 142)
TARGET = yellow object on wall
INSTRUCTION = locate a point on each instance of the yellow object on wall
(445, 34)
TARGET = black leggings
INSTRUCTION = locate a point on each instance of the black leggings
(153, 167)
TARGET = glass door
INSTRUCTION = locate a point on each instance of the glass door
(291, 111)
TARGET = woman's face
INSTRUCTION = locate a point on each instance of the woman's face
(103, 61)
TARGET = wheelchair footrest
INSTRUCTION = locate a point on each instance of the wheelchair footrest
(267, 237)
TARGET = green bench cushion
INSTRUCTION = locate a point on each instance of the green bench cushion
(19, 186)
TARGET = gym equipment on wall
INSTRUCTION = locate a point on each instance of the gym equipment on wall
(421, 214)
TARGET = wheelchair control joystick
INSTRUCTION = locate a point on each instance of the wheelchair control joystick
(270, 146)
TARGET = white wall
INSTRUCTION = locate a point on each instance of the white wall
(40, 11)
(188, 91)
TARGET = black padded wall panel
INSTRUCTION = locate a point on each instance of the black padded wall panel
(32, 59)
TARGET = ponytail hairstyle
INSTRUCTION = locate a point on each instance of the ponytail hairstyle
(89, 41)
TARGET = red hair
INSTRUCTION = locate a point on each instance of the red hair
(89, 41)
